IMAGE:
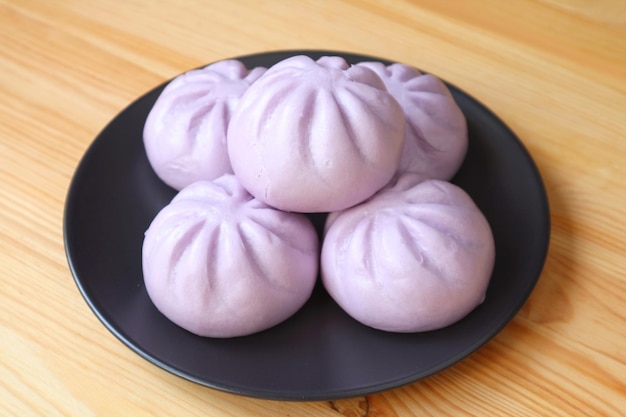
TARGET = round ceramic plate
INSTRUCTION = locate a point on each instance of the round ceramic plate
(320, 353)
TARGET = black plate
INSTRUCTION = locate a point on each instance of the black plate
(320, 353)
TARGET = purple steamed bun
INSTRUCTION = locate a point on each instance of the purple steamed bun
(185, 132)
(220, 263)
(436, 129)
(316, 136)
(417, 256)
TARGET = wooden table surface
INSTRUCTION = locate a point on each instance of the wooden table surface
(553, 70)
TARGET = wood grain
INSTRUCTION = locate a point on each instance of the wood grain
(554, 70)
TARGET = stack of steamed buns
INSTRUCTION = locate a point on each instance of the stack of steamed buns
(252, 152)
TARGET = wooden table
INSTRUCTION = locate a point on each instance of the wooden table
(553, 70)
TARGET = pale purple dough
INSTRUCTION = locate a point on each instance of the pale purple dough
(316, 136)
(417, 256)
(220, 263)
(185, 132)
(436, 132)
